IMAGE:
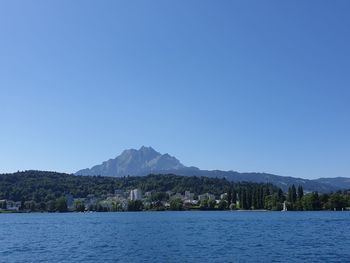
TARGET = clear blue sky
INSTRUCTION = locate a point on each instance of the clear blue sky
(233, 85)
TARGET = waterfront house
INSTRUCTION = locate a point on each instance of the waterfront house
(9, 205)
(189, 196)
(206, 196)
(135, 194)
(223, 196)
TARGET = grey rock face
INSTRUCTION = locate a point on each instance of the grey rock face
(135, 162)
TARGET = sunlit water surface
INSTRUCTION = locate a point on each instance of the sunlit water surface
(176, 237)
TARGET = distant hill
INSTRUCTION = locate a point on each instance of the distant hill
(43, 186)
(336, 182)
(146, 161)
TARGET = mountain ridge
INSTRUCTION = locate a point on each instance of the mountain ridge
(147, 161)
(134, 162)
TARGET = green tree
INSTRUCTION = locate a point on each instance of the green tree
(117, 206)
(204, 204)
(223, 205)
(337, 201)
(272, 202)
(243, 199)
(176, 204)
(42, 206)
(229, 197)
(79, 206)
(292, 197)
(159, 196)
(299, 204)
(300, 192)
(324, 201)
(311, 202)
(47, 187)
(211, 204)
(136, 205)
(61, 204)
(4, 205)
(234, 197)
(294, 194)
(51, 206)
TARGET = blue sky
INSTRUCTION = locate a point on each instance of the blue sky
(232, 85)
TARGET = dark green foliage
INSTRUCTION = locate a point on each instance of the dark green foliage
(51, 206)
(136, 205)
(45, 191)
(299, 204)
(292, 195)
(208, 204)
(176, 205)
(292, 198)
(79, 206)
(46, 187)
(156, 206)
(180, 184)
(159, 196)
(116, 207)
(273, 202)
(61, 204)
(311, 202)
(252, 196)
(229, 197)
(300, 192)
(337, 201)
(223, 205)
(211, 204)
(42, 206)
(3, 205)
(204, 204)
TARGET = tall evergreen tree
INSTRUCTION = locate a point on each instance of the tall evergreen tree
(229, 197)
(234, 196)
(294, 194)
(300, 192)
(243, 199)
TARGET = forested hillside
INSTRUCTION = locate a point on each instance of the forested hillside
(43, 186)
(48, 191)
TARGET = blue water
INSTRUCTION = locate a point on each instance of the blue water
(176, 237)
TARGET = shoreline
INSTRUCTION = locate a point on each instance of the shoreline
(146, 211)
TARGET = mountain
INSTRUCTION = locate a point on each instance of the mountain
(284, 182)
(148, 161)
(337, 182)
(135, 162)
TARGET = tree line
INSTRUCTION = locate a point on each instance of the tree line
(298, 201)
(46, 191)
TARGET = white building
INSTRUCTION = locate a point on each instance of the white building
(10, 205)
(70, 201)
(189, 196)
(223, 196)
(206, 196)
(135, 194)
(177, 196)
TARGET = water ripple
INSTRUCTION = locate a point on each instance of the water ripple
(176, 237)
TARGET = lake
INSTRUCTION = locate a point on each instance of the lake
(176, 237)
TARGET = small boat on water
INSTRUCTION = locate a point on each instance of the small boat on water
(284, 207)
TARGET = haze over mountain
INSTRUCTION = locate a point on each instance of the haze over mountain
(135, 162)
(146, 161)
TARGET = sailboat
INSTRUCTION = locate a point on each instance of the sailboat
(284, 207)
